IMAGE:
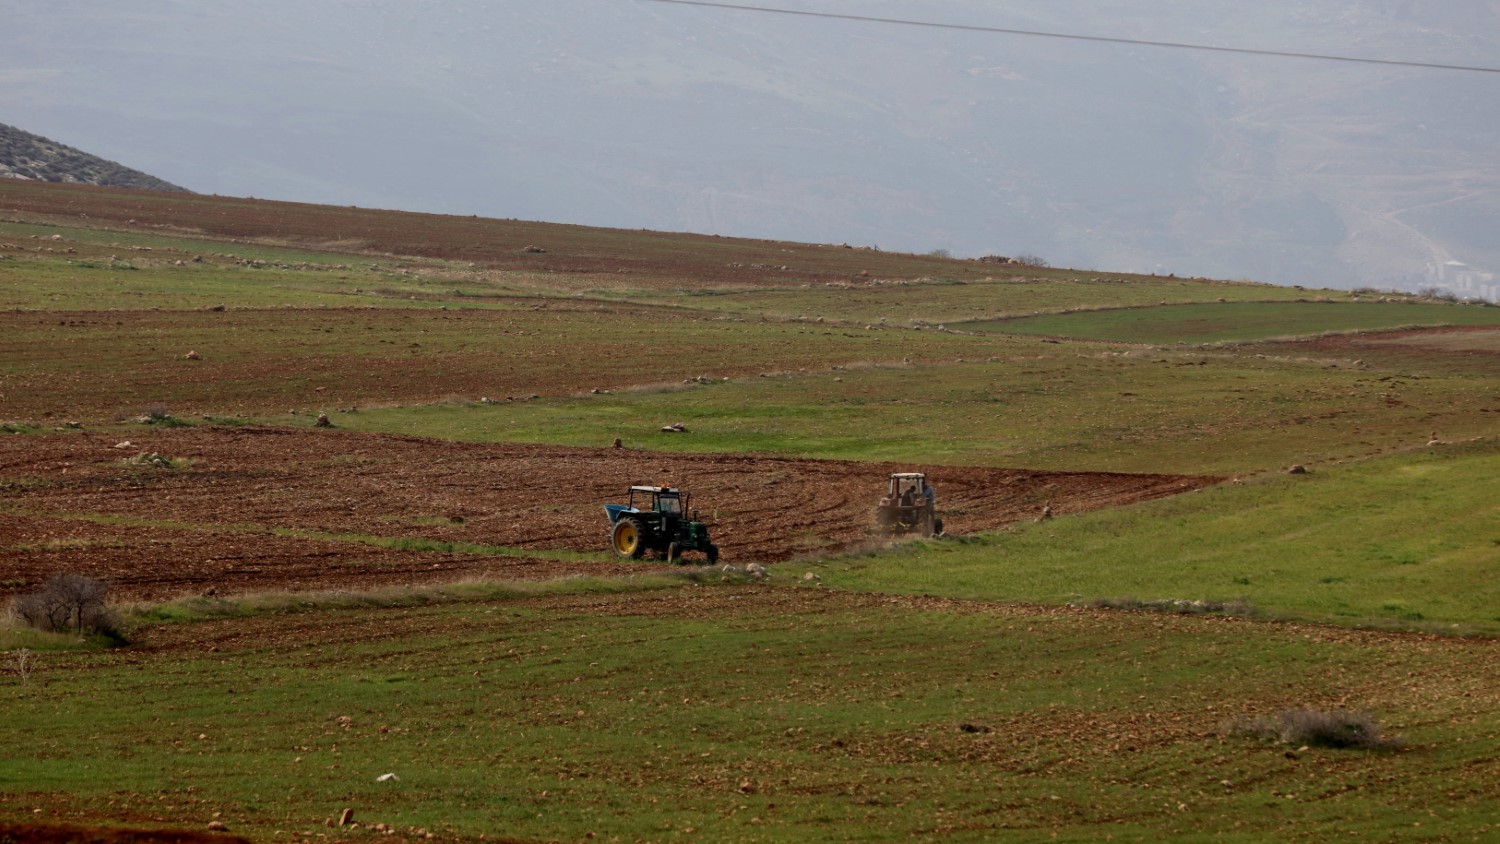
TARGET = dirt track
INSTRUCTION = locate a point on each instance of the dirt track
(72, 503)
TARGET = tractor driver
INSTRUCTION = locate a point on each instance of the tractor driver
(909, 497)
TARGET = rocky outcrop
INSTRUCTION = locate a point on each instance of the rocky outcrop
(27, 156)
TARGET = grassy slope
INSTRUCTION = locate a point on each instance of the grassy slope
(845, 717)
(1409, 540)
(1038, 405)
(753, 716)
(963, 303)
(1216, 323)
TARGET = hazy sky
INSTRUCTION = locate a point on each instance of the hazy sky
(642, 114)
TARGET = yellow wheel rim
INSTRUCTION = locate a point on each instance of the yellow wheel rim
(626, 538)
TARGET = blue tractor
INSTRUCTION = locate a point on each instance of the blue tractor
(655, 519)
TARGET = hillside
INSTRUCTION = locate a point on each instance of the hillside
(340, 472)
(644, 115)
(27, 156)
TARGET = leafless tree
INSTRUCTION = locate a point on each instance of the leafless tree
(68, 603)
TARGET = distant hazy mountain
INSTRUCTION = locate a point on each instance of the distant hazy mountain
(27, 156)
(651, 115)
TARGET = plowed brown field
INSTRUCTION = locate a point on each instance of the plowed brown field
(267, 508)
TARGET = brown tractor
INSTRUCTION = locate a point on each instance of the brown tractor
(909, 507)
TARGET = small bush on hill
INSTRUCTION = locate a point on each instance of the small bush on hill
(156, 413)
(156, 460)
(1239, 607)
(1318, 728)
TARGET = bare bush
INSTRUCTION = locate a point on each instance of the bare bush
(1318, 728)
(1239, 607)
(69, 603)
(25, 664)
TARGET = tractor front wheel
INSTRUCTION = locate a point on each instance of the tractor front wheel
(628, 538)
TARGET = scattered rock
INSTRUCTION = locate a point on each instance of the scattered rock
(536, 250)
(346, 817)
(193, 355)
(218, 826)
(617, 443)
(1296, 469)
(387, 778)
(323, 421)
(811, 577)
(674, 428)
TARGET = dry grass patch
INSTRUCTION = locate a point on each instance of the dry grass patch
(1317, 728)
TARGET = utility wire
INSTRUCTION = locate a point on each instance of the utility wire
(1070, 37)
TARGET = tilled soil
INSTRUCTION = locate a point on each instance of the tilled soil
(250, 508)
(46, 833)
(1449, 349)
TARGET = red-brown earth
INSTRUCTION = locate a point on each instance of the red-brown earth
(252, 508)
(649, 259)
(47, 833)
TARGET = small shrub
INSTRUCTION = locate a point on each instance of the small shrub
(156, 414)
(70, 603)
(155, 460)
(1318, 728)
(1030, 260)
(1239, 607)
(25, 664)
(1438, 295)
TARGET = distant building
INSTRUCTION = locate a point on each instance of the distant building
(1465, 281)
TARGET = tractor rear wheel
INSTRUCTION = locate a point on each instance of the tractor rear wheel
(628, 538)
(712, 553)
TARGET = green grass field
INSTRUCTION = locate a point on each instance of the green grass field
(1083, 407)
(752, 715)
(1236, 321)
(928, 690)
(1408, 541)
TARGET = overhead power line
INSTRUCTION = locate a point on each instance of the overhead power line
(1176, 45)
